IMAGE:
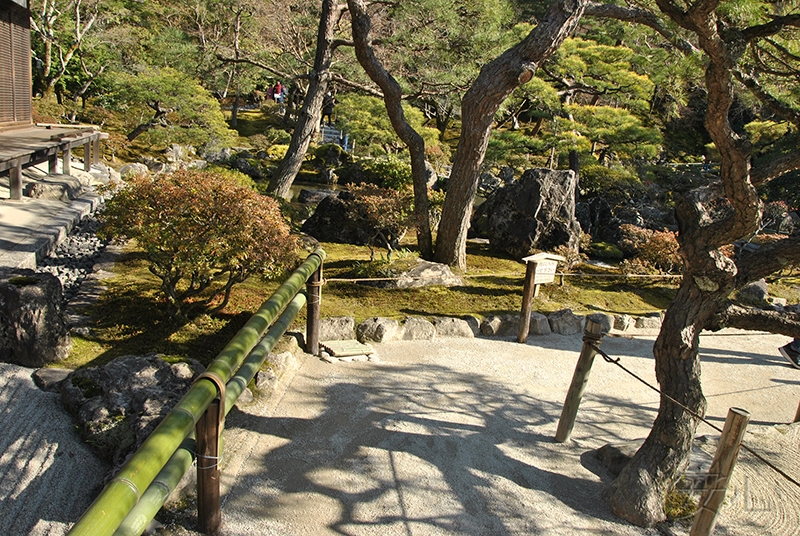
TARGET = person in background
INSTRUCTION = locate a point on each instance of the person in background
(792, 352)
(327, 107)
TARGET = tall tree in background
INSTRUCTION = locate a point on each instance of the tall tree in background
(738, 46)
(60, 28)
(392, 95)
(309, 116)
(494, 84)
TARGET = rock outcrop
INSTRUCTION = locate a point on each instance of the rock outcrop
(32, 328)
(536, 212)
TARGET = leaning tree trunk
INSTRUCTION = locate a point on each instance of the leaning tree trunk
(709, 277)
(392, 96)
(309, 116)
(494, 84)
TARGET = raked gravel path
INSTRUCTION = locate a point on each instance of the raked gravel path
(48, 477)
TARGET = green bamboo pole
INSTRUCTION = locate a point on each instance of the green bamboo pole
(156, 494)
(114, 503)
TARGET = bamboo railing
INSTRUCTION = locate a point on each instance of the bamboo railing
(137, 492)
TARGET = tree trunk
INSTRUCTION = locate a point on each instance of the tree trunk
(708, 279)
(309, 116)
(494, 84)
(638, 493)
(392, 96)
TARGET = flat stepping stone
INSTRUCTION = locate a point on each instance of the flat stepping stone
(347, 348)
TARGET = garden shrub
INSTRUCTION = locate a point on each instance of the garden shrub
(202, 232)
(386, 211)
(657, 249)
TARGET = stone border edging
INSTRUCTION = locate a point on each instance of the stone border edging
(563, 322)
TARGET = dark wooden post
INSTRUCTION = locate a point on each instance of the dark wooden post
(720, 472)
(314, 293)
(52, 163)
(87, 155)
(592, 334)
(66, 159)
(208, 432)
(528, 293)
(15, 180)
(96, 150)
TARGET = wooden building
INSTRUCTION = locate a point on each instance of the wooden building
(15, 63)
(22, 143)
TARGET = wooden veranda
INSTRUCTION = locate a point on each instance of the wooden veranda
(26, 146)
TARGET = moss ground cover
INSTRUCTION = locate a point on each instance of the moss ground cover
(129, 318)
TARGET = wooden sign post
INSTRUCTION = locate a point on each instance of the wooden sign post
(540, 269)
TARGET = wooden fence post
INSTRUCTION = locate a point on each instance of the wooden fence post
(592, 334)
(314, 293)
(528, 293)
(208, 432)
(15, 180)
(66, 159)
(719, 472)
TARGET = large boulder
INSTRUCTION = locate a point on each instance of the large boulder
(119, 404)
(536, 212)
(32, 328)
(335, 221)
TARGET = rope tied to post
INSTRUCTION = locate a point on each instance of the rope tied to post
(694, 414)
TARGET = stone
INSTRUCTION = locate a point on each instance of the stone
(334, 221)
(246, 398)
(488, 183)
(49, 379)
(624, 322)
(539, 325)
(33, 332)
(337, 328)
(506, 174)
(500, 325)
(119, 404)
(536, 212)
(427, 273)
(216, 154)
(418, 329)
(755, 293)
(179, 153)
(281, 362)
(54, 187)
(431, 178)
(649, 322)
(597, 219)
(133, 169)
(243, 165)
(313, 197)
(455, 327)
(379, 329)
(565, 322)
(616, 457)
(265, 381)
(606, 321)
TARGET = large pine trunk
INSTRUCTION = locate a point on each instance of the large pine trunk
(494, 84)
(638, 493)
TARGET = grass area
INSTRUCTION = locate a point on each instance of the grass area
(129, 318)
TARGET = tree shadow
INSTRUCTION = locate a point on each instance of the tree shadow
(424, 449)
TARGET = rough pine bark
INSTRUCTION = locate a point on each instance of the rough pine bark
(310, 113)
(493, 85)
(392, 97)
(708, 218)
